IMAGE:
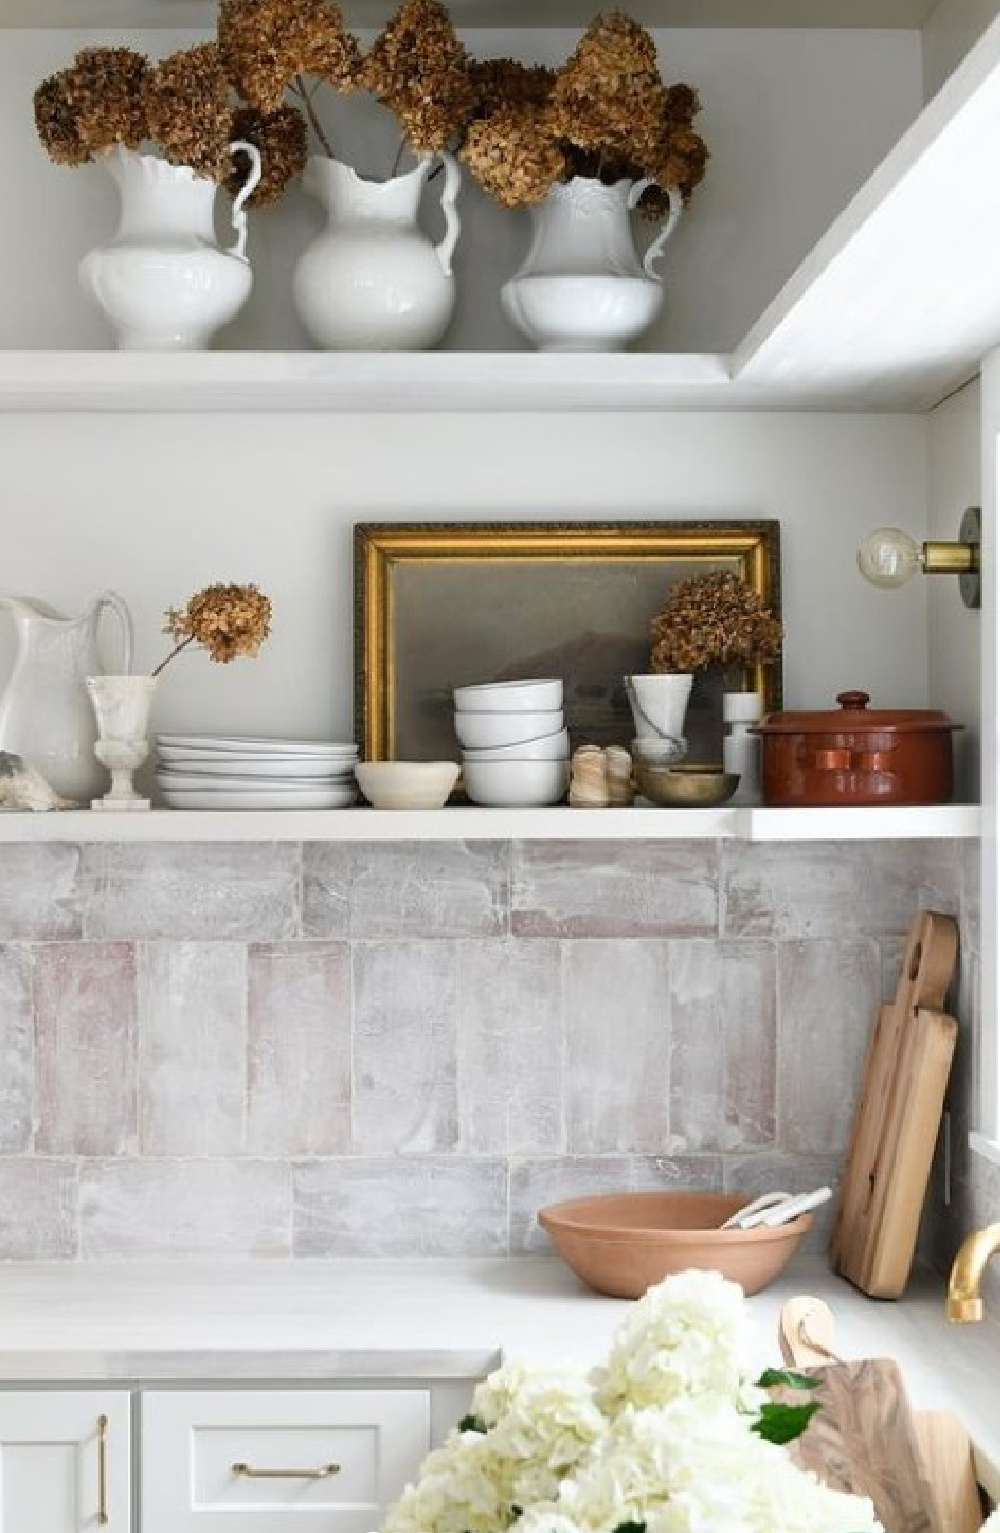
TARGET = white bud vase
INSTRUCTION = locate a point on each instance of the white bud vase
(372, 281)
(121, 707)
(162, 281)
(659, 704)
(583, 286)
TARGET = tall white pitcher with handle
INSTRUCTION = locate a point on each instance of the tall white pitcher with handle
(45, 711)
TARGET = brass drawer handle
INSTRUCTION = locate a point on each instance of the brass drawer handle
(324, 1472)
(102, 1470)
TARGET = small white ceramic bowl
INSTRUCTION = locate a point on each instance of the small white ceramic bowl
(516, 784)
(510, 697)
(548, 748)
(406, 784)
(485, 731)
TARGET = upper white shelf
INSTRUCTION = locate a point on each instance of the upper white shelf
(937, 822)
(893, 309)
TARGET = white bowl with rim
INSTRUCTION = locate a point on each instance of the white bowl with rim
(547, 748)
(406, 784)
(532, 696)
(516, 784)
(482, 731)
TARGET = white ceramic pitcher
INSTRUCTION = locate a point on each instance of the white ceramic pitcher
(45, 710)
(372, 281)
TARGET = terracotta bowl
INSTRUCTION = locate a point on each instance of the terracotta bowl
(624, 1243)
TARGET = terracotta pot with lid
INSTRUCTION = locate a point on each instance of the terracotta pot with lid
(857, 755)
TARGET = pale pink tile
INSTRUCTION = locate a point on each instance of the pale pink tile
(85, 1048)
(405, 1005)
(614, 888)
(192, 1047)
(509, 1011)
(828, 993)
(422, 889)
(139, 1208)
(837, 890)
(16, 1049)
(299, 1029)
(38, 1210)
(616, 1009)
(196, 892)
(722, 1045)
(427, 1206)
(40, 892)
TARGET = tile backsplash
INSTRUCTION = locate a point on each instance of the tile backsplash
(390, 1049)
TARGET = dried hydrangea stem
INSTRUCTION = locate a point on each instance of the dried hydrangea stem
(298, 86)
(173, 653)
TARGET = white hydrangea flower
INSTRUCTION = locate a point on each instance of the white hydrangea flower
(686, 1336)
(461, 1489)
(494, 1396)
(551, 1423)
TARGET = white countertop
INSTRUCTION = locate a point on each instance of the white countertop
(425, 1320)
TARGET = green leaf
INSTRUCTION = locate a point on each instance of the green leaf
(783, 1423)
(472, 1424)
(771, 1377)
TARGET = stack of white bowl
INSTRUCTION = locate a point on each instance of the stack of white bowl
(229, 772)
(515, 743)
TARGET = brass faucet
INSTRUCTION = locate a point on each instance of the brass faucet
(964, 1301)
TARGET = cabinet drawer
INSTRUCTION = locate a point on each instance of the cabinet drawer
(64, 1461)
(326, 1460)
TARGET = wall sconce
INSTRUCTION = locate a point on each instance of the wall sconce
(889, 557)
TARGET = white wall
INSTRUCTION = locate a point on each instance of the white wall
(157, 506)
(954, 633)
(795, 120)
(948, 33)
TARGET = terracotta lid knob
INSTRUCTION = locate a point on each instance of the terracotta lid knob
(854, 699)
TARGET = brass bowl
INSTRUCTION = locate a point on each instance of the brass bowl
(685, 787)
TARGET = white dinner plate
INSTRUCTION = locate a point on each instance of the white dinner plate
(191, 782)
(261, 767)
(314, 798)
(252, 745)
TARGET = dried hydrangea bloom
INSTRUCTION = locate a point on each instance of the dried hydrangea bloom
(609, 96)
(282, 138)
(266, 43)
(186, 98)
(418, 68)
(95, 103)
(514, 155)
(713, 619)
(509, 83)
(227, 620)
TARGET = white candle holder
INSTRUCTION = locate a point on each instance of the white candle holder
(121, 706)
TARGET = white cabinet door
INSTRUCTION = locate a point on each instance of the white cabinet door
(278, 1461)
(64, 1462)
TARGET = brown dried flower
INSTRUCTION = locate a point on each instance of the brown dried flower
(713, 619)
(265, 44)
(95, 103)
(186, 101)
(608, 96)
(509, 83)
(418, 68)
(514, 155)
(282, 139)
(227, 620)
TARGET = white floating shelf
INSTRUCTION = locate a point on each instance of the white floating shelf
(894, 307)
(938, 822)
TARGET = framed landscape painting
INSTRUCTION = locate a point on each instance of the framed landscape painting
(442, 605)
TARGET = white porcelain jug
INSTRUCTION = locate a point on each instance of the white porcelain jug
(162, 281)
(372, 281)
(45, 710)
(582, 285)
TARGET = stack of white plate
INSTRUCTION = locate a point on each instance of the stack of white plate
(227, 772)
(516, 745)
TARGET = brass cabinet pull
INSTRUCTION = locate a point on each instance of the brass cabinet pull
(324, 1472)
(102, 1470)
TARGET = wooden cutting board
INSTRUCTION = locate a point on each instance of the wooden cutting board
(897, 1117)
(933, 1446)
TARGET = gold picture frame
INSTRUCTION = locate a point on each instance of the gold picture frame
(439, 605)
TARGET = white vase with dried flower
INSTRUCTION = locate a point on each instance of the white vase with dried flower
(583, 285)
(372, 280)
(121, 706)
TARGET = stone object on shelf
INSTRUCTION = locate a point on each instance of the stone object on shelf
(23, 787)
